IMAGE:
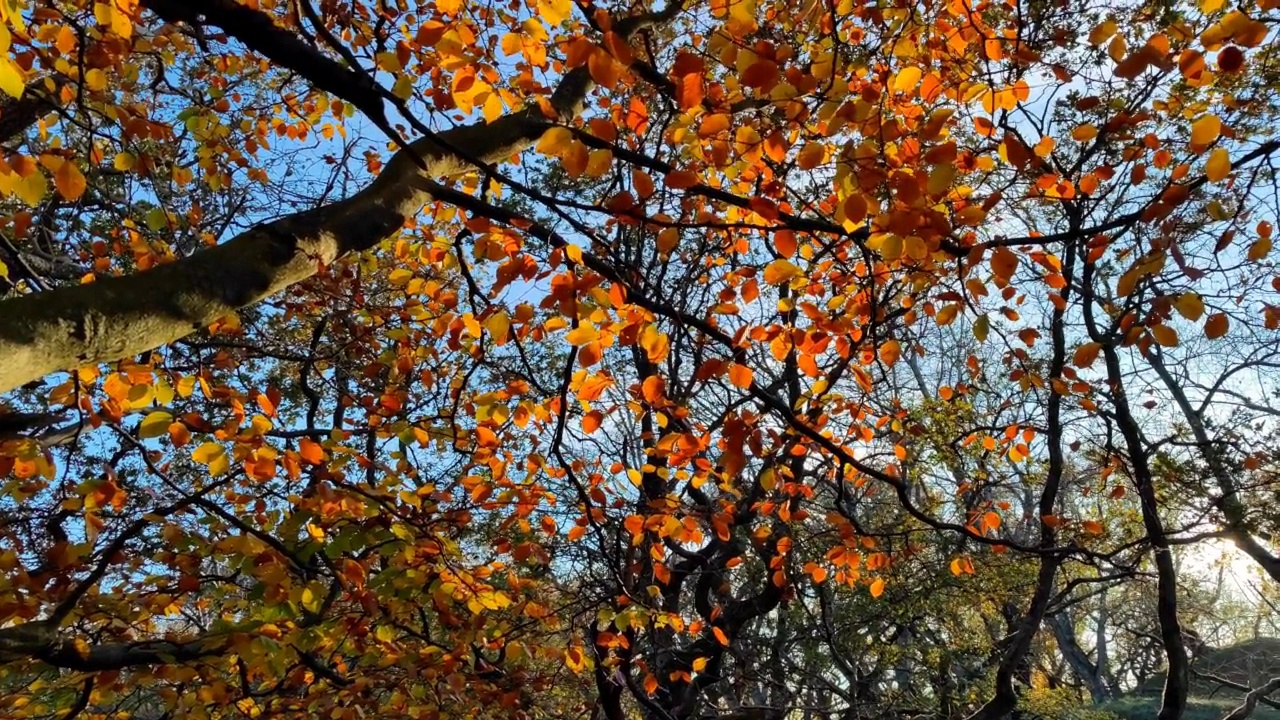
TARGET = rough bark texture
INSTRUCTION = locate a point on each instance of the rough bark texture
(119, 317)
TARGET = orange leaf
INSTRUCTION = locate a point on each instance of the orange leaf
(780, 271)
(890, 351)
(1165, 335)
(740, 375)
(653, 389)
(1004, 263)
(785, 243)
(720, 636)
(69, 180)
(634, 525)
(1216, 326)
(991, 520)
(1084, 133)
(877, 588)
(591, 421)
(310, 451)
(604, 69)
(1086, 354)
(681, 179)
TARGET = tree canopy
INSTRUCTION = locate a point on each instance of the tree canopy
(747, 359)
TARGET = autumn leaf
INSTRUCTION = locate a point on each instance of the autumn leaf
(1204, 131)
(877, 588)
(1218, 167)
(1216, 326)
(582, 335)
(1189, 305)
(780, 271)
(890, 351)
(1003, 263)
(720, 636)
(310, 451)
(1086, 354)
(155, 424)
(1165, 335)
(69, 181)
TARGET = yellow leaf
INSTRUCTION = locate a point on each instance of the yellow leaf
(780, 271)
(655, 344)
(95, 79)
(598, 162)
(1165, 335)
(214, 456)
(947, 315)
(1259, 249)
(906, 79)
(32, 188)
(1190, 306)
(981, 328)
(555, 11)
(1205, 130)
(940, 179)
(399, 277)
(582, 335)
(769, 480)
(1219, 165)
(11, 78)
(155, 424)
(499, 326)
(511, 44)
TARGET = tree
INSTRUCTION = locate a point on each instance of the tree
(740, 358)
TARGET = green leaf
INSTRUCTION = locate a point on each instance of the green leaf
(155, 424)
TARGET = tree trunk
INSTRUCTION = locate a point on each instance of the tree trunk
(1077, 659)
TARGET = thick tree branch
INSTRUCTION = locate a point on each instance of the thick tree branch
(41, 641)
(16, 115)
